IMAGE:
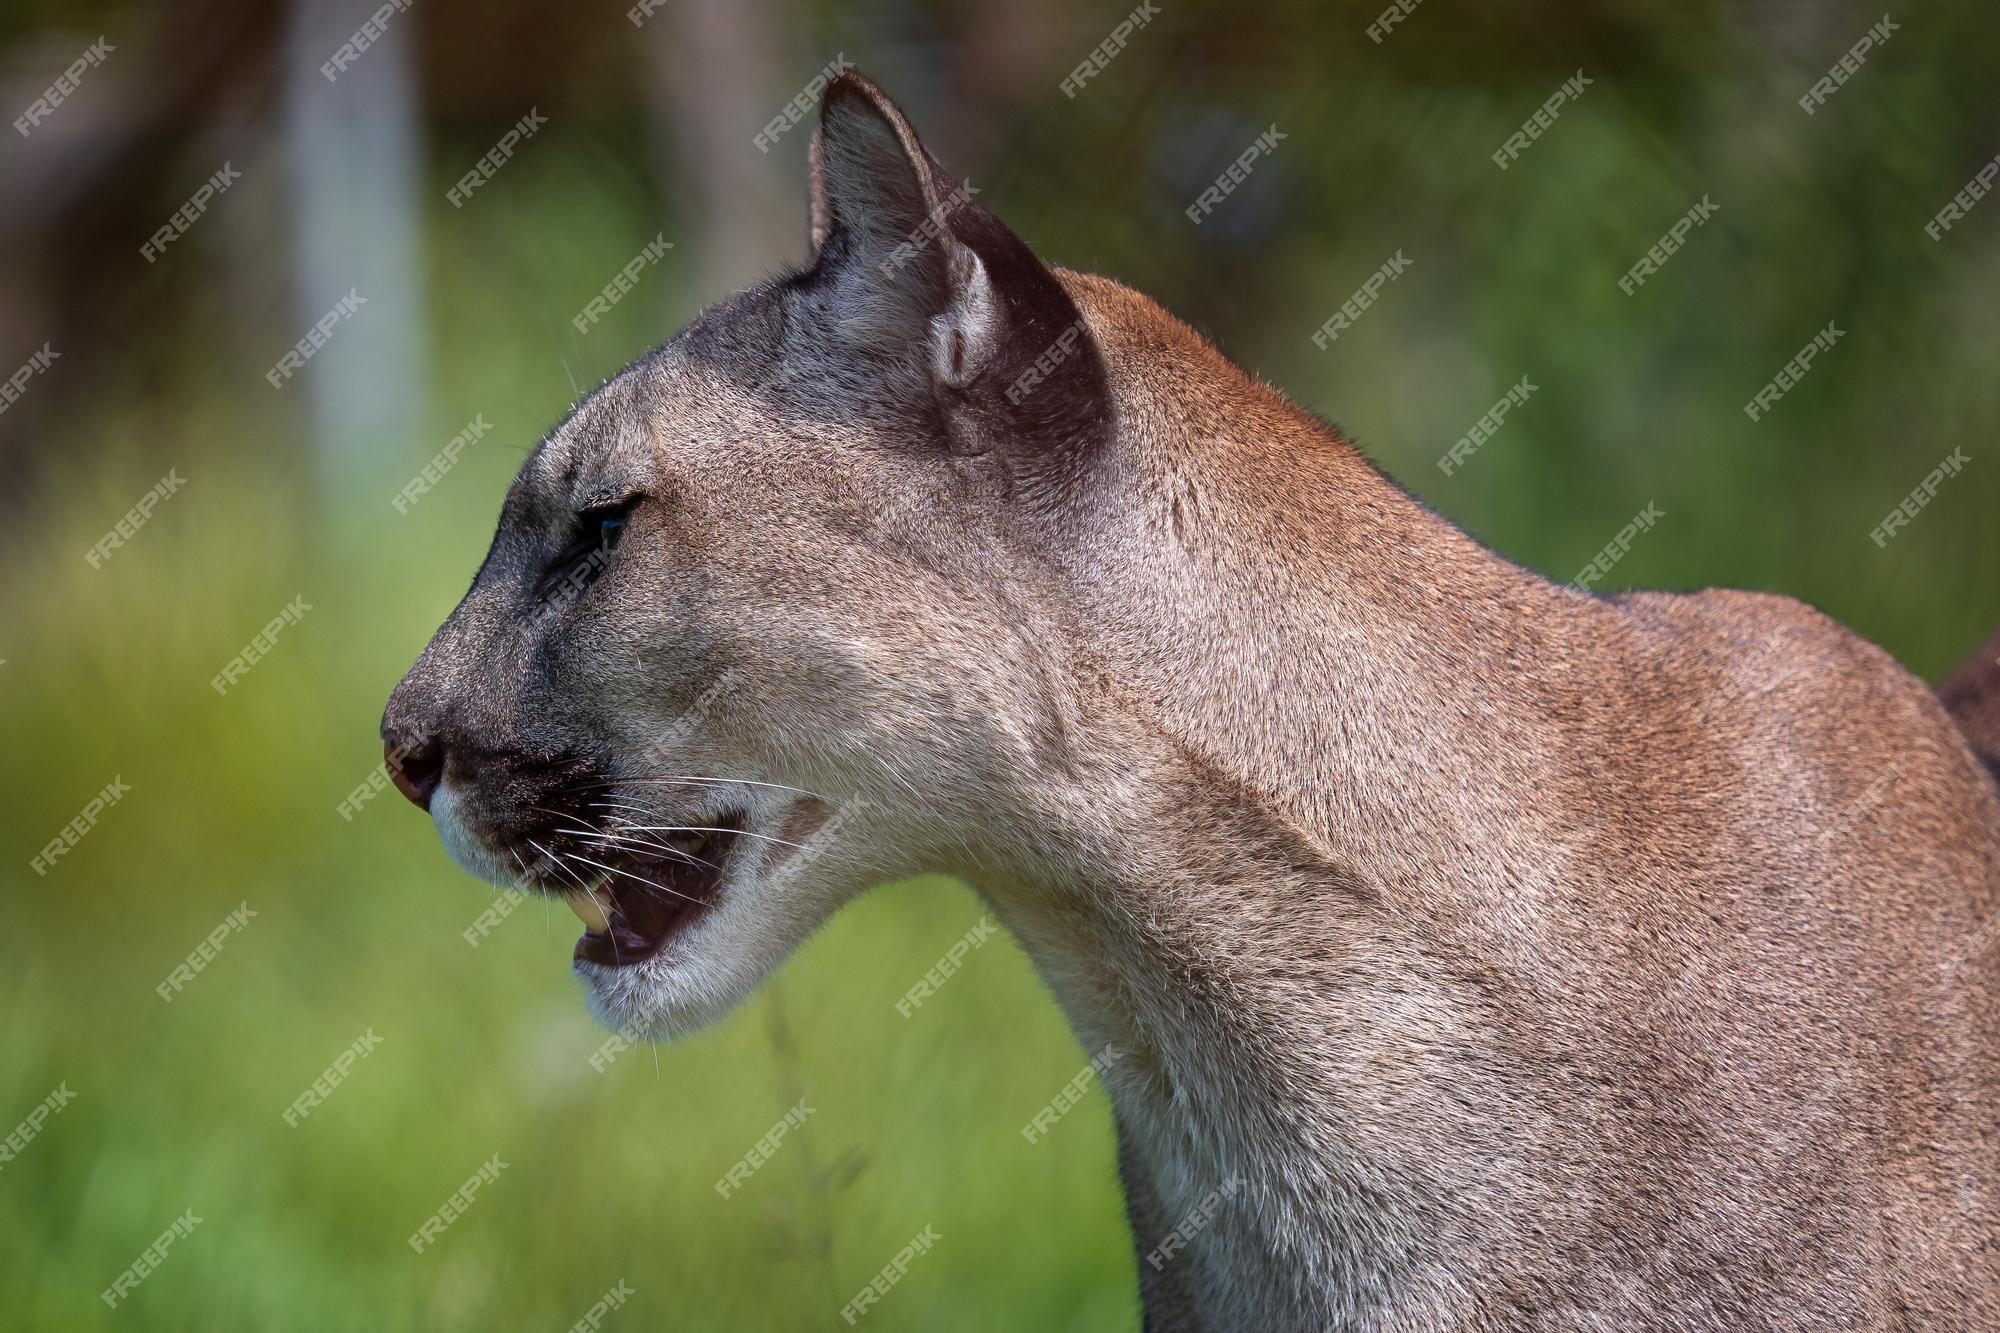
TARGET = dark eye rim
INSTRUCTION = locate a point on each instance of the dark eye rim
(598, 528)
(608, 525)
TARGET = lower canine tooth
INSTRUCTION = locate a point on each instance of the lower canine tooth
(589, 911)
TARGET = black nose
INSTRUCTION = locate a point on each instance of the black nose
(415, 766)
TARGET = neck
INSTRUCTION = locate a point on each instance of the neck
(1316, 698)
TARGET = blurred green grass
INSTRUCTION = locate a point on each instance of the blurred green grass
(610, 1174)
(916, 1120)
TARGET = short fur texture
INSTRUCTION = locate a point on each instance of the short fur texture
(1517, 958)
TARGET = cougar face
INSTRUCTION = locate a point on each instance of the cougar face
(763, 618)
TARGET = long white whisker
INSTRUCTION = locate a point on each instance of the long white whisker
(620, 805)
(608, 837)
(616, 837)
(560, 864)
(734, 832)
(524, 884)
(629, 875)
(559, 814)
(588, 834)
(690, 779)
(890, 769)
(616, 840)
(682, 828)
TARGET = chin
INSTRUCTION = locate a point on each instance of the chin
(691, 984)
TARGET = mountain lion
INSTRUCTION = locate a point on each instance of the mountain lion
(1460, 950)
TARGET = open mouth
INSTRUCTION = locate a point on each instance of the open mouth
(651, 890)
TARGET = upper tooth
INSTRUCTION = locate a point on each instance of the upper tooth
(589, 911)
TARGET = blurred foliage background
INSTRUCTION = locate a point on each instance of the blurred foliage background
(287, 492)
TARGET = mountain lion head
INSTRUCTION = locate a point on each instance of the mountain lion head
(769, 618)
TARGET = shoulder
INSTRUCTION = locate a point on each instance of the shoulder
(1765, 632)
(1775, 679)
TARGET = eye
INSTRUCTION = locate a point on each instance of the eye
(597, 533)
(601, 527)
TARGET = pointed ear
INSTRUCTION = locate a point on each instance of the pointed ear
(924, 273)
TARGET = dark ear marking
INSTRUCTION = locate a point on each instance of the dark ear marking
(922, 272)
